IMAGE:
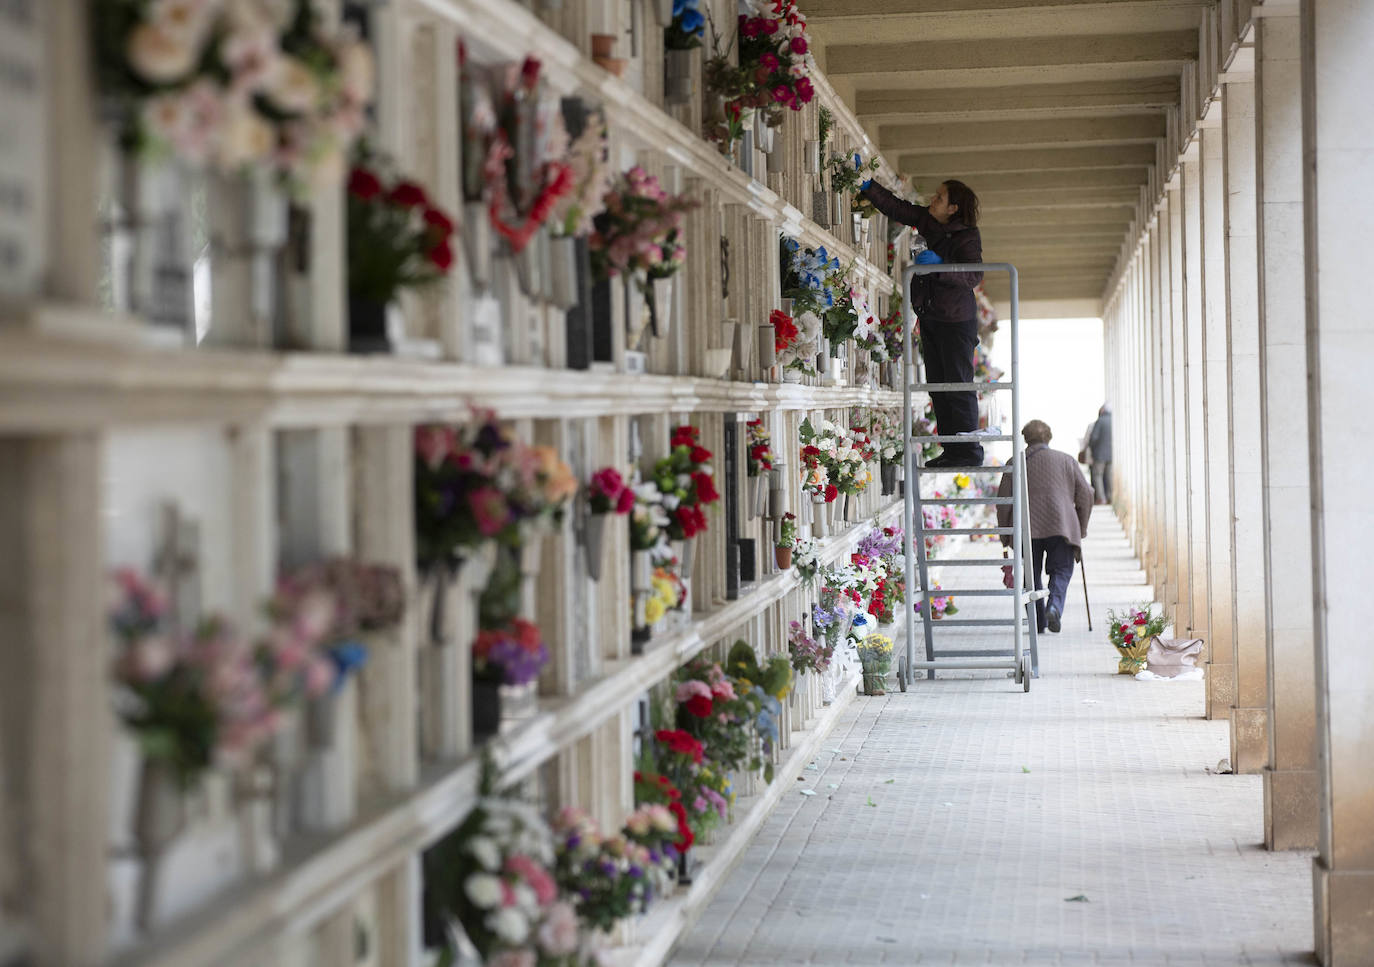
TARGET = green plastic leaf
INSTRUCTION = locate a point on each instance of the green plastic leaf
(1077, 899)
(871, 802)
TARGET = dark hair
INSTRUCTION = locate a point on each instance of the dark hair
(962, 195)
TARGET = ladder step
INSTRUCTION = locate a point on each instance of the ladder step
(969, 593)
(974, 622)
(962, 438)
(965, 500)
(996, 468)
(979, 387)
(971, 530)
(970, 562)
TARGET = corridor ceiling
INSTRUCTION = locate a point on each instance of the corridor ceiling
(1051, 110)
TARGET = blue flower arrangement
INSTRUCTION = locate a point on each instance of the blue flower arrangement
(688, 26)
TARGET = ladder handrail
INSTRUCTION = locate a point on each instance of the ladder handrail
(1020, 558)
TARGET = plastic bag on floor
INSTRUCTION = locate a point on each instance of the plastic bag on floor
(1172, 658)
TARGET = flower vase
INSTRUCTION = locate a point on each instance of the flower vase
(764, 133)
(887, 473)
(746, 152)
(783, 556)
(820, 522)
(875, 682)
(777, 499)
(661, 305)
(678, 84)
(663, 12)
(562, 272)
(820, 208)
(790, 375)
(761, 497)
(756, 494)
(641, 570)
(768, 346)
(827, 682)
(367, 325)
(526, 265)
(486, 708)
(161, 818)
(777, 158)
(322, 720)
(811, 157)
(839, 210)
(686, 556)
(636, 284)
(596, 541)
(476, 235)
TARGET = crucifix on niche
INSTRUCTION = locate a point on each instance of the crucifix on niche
(176, 563)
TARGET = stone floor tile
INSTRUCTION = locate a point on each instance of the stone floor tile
(1002, 807)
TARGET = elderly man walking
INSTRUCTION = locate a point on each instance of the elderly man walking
(1099, 447)
(1060, 504)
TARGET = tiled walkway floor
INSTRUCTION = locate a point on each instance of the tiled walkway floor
(953, 823)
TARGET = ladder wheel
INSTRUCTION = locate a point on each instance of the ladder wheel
(1025, 673)
(1019, 673)
(901, 674)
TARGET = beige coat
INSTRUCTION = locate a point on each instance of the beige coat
(1061, 499)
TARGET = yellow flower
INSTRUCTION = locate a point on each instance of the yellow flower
(962, 480)
(654, 609)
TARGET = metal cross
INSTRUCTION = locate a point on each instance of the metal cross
(177, 564)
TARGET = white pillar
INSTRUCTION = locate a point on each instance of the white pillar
(1338, 138)
(1191, 216)
(1290, 779)
(1221, 671)
(1249, 718)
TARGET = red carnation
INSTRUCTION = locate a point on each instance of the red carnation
(364, 184)
(699, 705)
(684, 831)
(437, 219)
(750, 26)
(798, 45)
(699, 518)
(1141, 620)
(781, 93)
(686, 520)
(831, 492)
(804, 89)
(706, 488)
(625, 502)
(441, 255)
(684, 436)
(407, 194)
(770, 27)
(810, 451)
(700, 454)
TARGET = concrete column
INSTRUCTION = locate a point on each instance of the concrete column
(1221, 671)
(1249, 717)
(1338, 137)
(54, 696)
(1290, 778)
(1174, 458)
(1196, 445)
(1160, 416)
(1183, 510)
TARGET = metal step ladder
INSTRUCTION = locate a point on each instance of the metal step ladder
(1021, 655)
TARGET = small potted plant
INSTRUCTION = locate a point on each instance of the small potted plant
(396, 240)
(787, 537)
(607, 494)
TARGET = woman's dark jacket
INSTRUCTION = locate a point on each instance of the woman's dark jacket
(945, 296)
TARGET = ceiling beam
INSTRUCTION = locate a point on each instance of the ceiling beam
(826, 9)
(1064, 132)
(1167, 49)
(1048, 214)
(1124, 197)
(1083, 179)
(986, 103)
(934, 158)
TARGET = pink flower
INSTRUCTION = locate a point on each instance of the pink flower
(798, 45)
(434, 443)
(724, 690)
(558, 934)
(538, 878)
(692, 688)
(491, 510)
(781, 93)
(319, 676)
(770, 61)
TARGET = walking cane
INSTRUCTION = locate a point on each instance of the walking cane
(1086, 606)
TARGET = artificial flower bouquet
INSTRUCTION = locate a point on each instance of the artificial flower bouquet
(709, 708)
(667, 592)
(786, 333)
(760, 452)
(476, 483)
(787, 532)
(842, 454)
(640, 230)
(513, 654)
(848, 172)
(805, 652)
(686, 483)
(775, 57)
(608, 493)
(805, 560)
(589, 174)
(687, 28)
(234, 86)
(941, 606)
(494, 880)
(396, 238)
(1130, 632)
(660, 819)
(875, 658)
(608, 878)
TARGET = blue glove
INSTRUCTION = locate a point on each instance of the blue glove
(858, 161)
(864, 186)
(928, 257)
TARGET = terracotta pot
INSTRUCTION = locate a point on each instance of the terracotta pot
(783, 555)
(612, 65)
(603, 45)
